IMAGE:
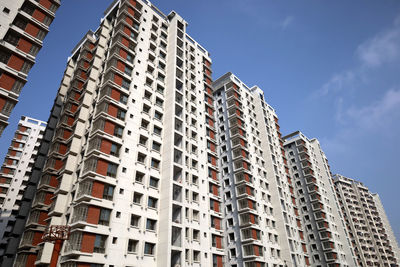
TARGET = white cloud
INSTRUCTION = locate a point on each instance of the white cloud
(383, 48)
(378, 114)
(286, 22)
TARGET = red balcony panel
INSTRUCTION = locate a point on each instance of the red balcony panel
(37, 238)
(53, 181)
(93, 215)
(24, 45)
(83, 75)
(16, 62)
(131, 11)
(9, 161)
(212, 134)
(216, 206)
(132, 2)
(121, 66)
(212, 147)
(39, 15)
(5, 170)
(129, 21)
(213, 174)
(210, 101)
(125, 41)
(83, 265)
(249, 191)
(47, 198)
(307, 260)
(46, 3)
(244, 154)
(118, 79)
(76, 96)
(210, 122)
(296, 211)
(123, 53)
(89, 56)
(219, 262)
(247, 177)
(91, 46)
(208, 64)
(127, 30)
(214, 189)
(112, 110)
(291, 190)
(97, 189)
(208, 81)
(245, 165)
(276, 119)
(7, 82)
(301, 235)
(251, 204)
(256, 251)
(30, 261)
(242, 142)
(293, 201)
(109, 127)
(18, 136)
(304, 248)
(88, 242)
(209, 91)
(12, 153)
(218, 241)
(70, 120)
(298, 223)
(252, 218)
(217, 222)
(210, 111)
(32, 29)
(66, 134)
(235, 86)
(3, 180)
(102, 167)
(62, 149)
(105, 146)
(208, 72)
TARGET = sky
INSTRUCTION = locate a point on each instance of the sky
(329, 68)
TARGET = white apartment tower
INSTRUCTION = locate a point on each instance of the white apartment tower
(327, 239)
(23, 26)
(132, 165)
(262, 223)
(16, 171)
(371, 234)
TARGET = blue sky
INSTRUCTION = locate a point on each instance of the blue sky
(330, 68)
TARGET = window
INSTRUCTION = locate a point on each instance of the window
(118, 131)
(99, 244)
(108, 192)
(156, 146)
(158, 115)
(135, 220)
(149, 248)
(6, 10)
(137, 198)
(146, 109)
(196, 255)
(144, 124)
(155, 163)
(154, 182)
(157, 130)
(151, 224)
(152, 202)
(143, 140)
(159, 102)
(112, 170)
(132, 246)
(125, 84)
(104, 218)
(114, 150)
(139, 177)
(12, 39)
(121, 114)
(141, 158)
(4, 56)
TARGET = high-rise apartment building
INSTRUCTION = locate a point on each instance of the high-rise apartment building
(327, 239)
(132, 165)
(371, 234)
(263, 226)
(23, 27)
(16, 171)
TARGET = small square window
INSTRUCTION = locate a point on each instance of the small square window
(6, 10)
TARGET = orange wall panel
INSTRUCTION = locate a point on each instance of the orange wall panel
(93, 215)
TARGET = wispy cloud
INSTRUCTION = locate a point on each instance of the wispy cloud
(287, 22)
(381, 49)
(378, 114)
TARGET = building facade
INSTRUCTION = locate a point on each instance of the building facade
(324, 225)
(371, 234)
(23, 26)
(132, 162)
(16, 170)
(262, 223)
